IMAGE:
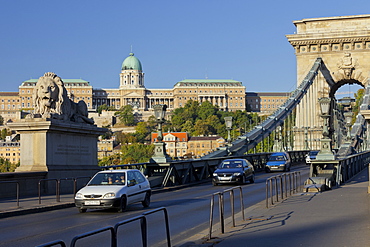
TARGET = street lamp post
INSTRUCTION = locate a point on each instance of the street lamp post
(228, 123)
(348, 115)
(325, 151)
(160, 155)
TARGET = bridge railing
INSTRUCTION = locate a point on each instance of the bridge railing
(114, 231)
(351, 165)
(17, 189)
(189, 171)
(280, 185)
(221, 207)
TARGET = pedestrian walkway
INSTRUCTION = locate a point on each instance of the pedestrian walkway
(29, 205)
(339, 217)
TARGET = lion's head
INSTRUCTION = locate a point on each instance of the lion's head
(49, 95)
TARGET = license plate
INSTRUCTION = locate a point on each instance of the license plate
(224, 178)
(92, 202)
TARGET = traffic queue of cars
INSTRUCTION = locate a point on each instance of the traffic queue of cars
(115, 189)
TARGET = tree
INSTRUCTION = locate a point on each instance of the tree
(7, 166)
(201, 128)
(1, 120)
(125, 115)
(125, 138)
(142, 132)
(4, 133)
(104, 107)
(206, 109)
(136, 153)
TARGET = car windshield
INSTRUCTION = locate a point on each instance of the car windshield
(231, 164)
(108, 179)
(313, 153)
(277, 158)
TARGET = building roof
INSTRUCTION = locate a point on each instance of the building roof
(207, 82)
(204, 138)
(9, 93)
(131, 63)
(67, 82)
(182, 136)
(273, 94)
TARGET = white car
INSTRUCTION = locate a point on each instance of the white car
(114, 189)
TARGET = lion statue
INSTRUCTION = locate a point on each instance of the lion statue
(51, 101)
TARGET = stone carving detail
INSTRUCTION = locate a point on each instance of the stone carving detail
(347, 65)
(51, 101)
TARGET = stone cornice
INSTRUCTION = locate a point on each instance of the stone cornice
(309, 39)
(328, 41)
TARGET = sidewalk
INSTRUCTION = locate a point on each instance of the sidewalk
(340, 217)
(29, 205)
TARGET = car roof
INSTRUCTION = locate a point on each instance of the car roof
(233, 159)
(118, 171)
(279, 153)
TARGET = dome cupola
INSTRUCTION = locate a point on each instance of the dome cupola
(131, 63)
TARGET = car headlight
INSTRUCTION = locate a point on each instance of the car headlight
(79, 196)
(214, 174)
(109, 195)
(237, 174)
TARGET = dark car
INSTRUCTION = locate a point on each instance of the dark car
(311, 156)
(233, 171)
(279, 161)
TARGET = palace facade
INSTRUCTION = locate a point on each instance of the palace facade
(228, 95)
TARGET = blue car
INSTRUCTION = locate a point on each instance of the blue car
(278, 162)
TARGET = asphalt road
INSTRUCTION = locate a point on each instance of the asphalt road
(188, 210)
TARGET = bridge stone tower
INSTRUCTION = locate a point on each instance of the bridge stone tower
(344, 45)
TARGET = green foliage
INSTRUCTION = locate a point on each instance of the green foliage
(4, 133)
(136, 153)
(111, 160)
(1, 120)
(107, 135)
(356, 108)
(143, 131)
(206, 119)
(7, 166)
(104, 107)
(125, 115)
(125, 138)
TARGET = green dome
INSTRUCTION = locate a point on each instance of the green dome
(131, 62)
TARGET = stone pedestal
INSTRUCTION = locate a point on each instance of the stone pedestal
(160, 156)
(64, 149)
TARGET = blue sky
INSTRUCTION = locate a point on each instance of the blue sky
(174, 40)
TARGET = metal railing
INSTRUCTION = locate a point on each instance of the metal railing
(114, 231)
(91, 233)
(53, 243)
(280, 185)
(221, 206)
(56, 189)
(165, 213)
(17, 189)
(58, 185)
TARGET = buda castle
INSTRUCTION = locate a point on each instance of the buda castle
(228, 95)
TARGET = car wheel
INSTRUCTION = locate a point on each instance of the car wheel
(251, 180)
(146, 201)
(243, 180)
(214, 183)
(123, 204)
(82, 210)
(267, 170)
